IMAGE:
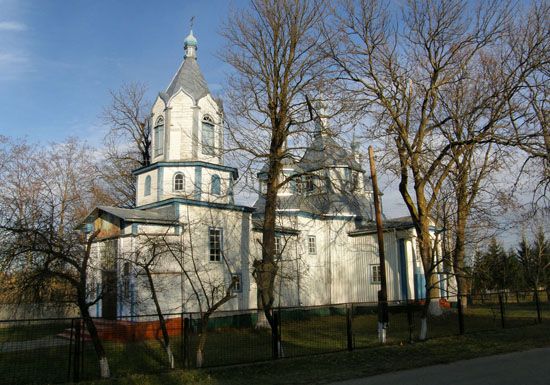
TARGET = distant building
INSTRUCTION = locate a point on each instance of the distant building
(326, 237)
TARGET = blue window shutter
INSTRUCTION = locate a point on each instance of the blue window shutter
(147, 188)
(215, 185)
(208, 139)
(198, 183)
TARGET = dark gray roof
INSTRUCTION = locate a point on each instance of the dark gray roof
(322, 204)
(163, 215)
(258, 224)
(190, 79)
(324, 152)
(287, 162)
(400, 223)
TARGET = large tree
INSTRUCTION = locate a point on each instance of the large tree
(127, 142)
(272, 49)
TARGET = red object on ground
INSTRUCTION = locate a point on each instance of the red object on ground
(444, 303)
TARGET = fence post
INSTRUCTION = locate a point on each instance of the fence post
(70, 351)
(182, 332)
(460, 314)
(537, 303)
(501, 303)
(410, 321)
(186, 327)
(275, 336)
(76, 360)
(349, 329)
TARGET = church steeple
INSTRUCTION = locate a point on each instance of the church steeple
(189, 77)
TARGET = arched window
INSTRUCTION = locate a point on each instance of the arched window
(158, 133)
(215, 185)
(208, 137)
(179, 182)
(147, 188)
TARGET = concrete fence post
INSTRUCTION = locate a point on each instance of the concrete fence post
(349, 327)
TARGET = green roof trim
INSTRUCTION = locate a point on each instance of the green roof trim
(191, 202)
(193, 163)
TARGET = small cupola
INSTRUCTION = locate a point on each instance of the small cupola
(190, 45)
(321, 120)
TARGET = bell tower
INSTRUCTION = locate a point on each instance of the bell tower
(187, 140)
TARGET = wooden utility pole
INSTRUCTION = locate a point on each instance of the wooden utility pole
(383, 293)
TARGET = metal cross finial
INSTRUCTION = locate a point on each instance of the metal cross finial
(192, 21)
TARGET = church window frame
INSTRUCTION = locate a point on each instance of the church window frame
(179, 182)
(158, 136)
(312, 244)
(298, 185)
(208, 134)
(147, 186)
(238, 288)
(215, 244)
(309, 184)
(215, 185)
(376, 274)
(126, 284)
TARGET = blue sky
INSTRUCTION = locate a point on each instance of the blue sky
(60, 58)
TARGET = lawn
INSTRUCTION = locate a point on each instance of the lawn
(302, 334)
(359, 363)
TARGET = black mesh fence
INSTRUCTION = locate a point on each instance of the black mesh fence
(61, 350)
(229, 338)
(31, 352)
(307, 331)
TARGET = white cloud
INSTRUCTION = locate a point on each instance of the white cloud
(14, 26)
(13, 64)
(8, 58)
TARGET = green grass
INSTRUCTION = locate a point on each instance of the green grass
(359, 363)
(303, 334)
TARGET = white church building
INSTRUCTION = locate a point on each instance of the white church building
(194, 238)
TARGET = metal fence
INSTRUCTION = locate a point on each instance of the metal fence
(60, 350)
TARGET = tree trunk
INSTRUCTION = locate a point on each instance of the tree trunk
(431, 305)
(266, 269)
(458, 264)
(202, 341)
(458, 259)
(162, 321)
(98, 346)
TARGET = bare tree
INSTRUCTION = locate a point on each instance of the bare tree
(128, 142)
(400, 70)
(535, 260)
(272, 50)
(44, 197)
(210, 287)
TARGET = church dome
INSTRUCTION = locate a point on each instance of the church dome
(190, 40)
